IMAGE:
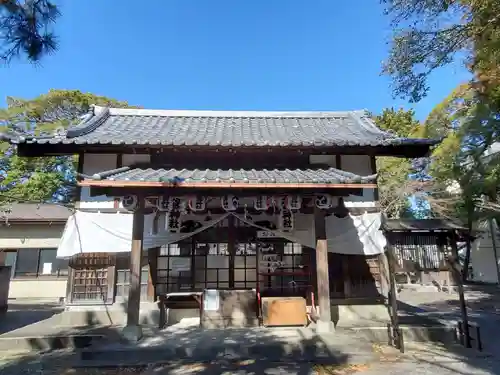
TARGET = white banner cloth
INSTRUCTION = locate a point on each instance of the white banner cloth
(352, 235)
(90, 232)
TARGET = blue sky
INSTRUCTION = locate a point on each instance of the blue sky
(223, 55)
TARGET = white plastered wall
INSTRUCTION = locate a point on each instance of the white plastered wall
(358, 164)
(483, 255)
(95, 163)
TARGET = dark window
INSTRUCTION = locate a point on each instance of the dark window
(37, 262)
(174, 273)
(283, 269)
(27, 262)
(10, 260)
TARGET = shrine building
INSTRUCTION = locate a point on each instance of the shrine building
(238, 218)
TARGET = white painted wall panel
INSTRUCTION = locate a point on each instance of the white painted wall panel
(359, 164)
(483, 257)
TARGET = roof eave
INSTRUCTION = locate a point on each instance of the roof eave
(222, 185)
(29, 149)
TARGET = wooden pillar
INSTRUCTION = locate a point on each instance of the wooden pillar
(324, 323)
(133, 331)
(384, 275)
(153, 272)
(231, 248)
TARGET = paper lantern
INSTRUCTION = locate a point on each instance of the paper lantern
(293, 202)
(286, 221)
(230, 202)
(130, 202)
(262, 202)
(152, 202)
(324, 201)
(197, 204)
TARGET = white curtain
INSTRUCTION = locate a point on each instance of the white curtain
(87, 232)
(354, 235)
(90, 232)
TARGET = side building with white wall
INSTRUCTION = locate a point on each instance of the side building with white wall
(29, 237)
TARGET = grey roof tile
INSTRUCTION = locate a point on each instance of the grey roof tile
(35, 212)
(115, 126)
(324, 175)
(396, 225)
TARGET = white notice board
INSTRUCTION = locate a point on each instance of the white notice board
(211, 300)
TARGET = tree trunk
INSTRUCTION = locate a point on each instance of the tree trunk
(465, 270)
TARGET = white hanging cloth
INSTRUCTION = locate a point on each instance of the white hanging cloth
(352, 235)
(91, 232)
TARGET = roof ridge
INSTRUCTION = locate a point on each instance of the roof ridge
(89, 123)
(212, 113)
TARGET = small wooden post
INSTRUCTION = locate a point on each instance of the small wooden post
(133, 330)
(324, 323)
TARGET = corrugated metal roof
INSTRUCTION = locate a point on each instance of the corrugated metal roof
(34, 212)
(117, 126)
(325, 175)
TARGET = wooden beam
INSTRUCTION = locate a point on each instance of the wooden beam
(373, 164)
(217, 185)
(180, 191)
(133, 331)
(324, 323)
(48, 149)
(119, 164)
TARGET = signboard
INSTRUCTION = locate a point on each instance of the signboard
(266, 234)
(211, 300)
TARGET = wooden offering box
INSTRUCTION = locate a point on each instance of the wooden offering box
(284, 311)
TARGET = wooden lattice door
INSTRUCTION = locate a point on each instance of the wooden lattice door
(93, 278)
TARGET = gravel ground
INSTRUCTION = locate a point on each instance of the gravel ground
(419, 360)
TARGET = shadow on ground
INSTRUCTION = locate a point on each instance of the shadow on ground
(20, 315)
(256, 351)
(483, 304)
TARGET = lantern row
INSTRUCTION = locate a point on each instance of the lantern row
(228, 202)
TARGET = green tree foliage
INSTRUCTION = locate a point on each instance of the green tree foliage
(25, 28)
(47, 178)
(395, 184)
(432, 33)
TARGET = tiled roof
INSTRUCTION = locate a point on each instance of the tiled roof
(117, 126)
(398, 225)
(34, 212)
(324, 175)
